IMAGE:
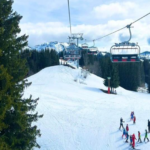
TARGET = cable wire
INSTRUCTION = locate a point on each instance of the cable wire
(69, 16)
(119, 29)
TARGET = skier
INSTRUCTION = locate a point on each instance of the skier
(127, 128)
(127, 136)
(139, 137)
(134, 119)
(121, 123)
(132, 115)
(130, 139)
(148, 126)
(133, 141)
(124, 132)
(146, 136)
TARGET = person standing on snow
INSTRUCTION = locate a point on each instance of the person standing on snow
(130, 139)
(124, 132)
(132, 115)
(134, 120)
(127, 128)
(148, 126)
(127, 136)
(146, 136)
(139, 137)
(133, 141)
(121, 123)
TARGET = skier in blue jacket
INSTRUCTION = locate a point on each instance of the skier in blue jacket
(124, 133)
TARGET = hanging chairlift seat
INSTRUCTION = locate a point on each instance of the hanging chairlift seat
(72, 52)
(92, 50)
(125, 52)
(84, 46)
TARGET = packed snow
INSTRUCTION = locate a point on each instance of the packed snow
(79, 116)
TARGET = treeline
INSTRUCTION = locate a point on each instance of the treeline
(147, 73)
(38, 60)
(127, 75)
(90, 62)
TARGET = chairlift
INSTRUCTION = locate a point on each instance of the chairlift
(93, 50)
(72, 52)
(84, 46)
(125, 51)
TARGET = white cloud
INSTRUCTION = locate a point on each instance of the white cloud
(112, 9)
(95, 18)
(57, 31)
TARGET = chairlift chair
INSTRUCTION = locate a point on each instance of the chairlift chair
(92, 50)
(72, 52)
(125, 51)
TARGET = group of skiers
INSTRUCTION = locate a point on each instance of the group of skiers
(132, 137)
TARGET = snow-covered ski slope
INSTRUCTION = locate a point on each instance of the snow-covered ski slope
(78, 116)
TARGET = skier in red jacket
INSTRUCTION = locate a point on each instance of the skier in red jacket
(127, 128)
(133, 141)
(134, 120)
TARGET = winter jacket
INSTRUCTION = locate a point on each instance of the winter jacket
(132, 115)
(124, 131)
(133, 138)
(139, 135)
(146, 136)
(127, 135)
(127, 128)
(134, 119)
(121, 121)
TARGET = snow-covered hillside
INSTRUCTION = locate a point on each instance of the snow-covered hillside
(79, 116)
(51, 45)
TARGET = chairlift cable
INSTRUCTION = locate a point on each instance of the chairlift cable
(140, 18)
(120, 29)
(69, 17)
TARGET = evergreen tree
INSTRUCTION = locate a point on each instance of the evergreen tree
(114, 77)
(148, 80)
(112, 71)
(5, 103)
(16, 129)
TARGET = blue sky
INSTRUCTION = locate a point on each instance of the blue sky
(47, 20)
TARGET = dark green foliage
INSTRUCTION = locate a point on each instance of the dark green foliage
(115, 76)
(147, 73)
(5, 103)
(146, 69)
(110, 70)
(38, 60)
(129, 75)
(90, 62)
(17, 131)
(148, 80)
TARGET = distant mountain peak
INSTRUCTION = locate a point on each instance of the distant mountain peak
(58, 46)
